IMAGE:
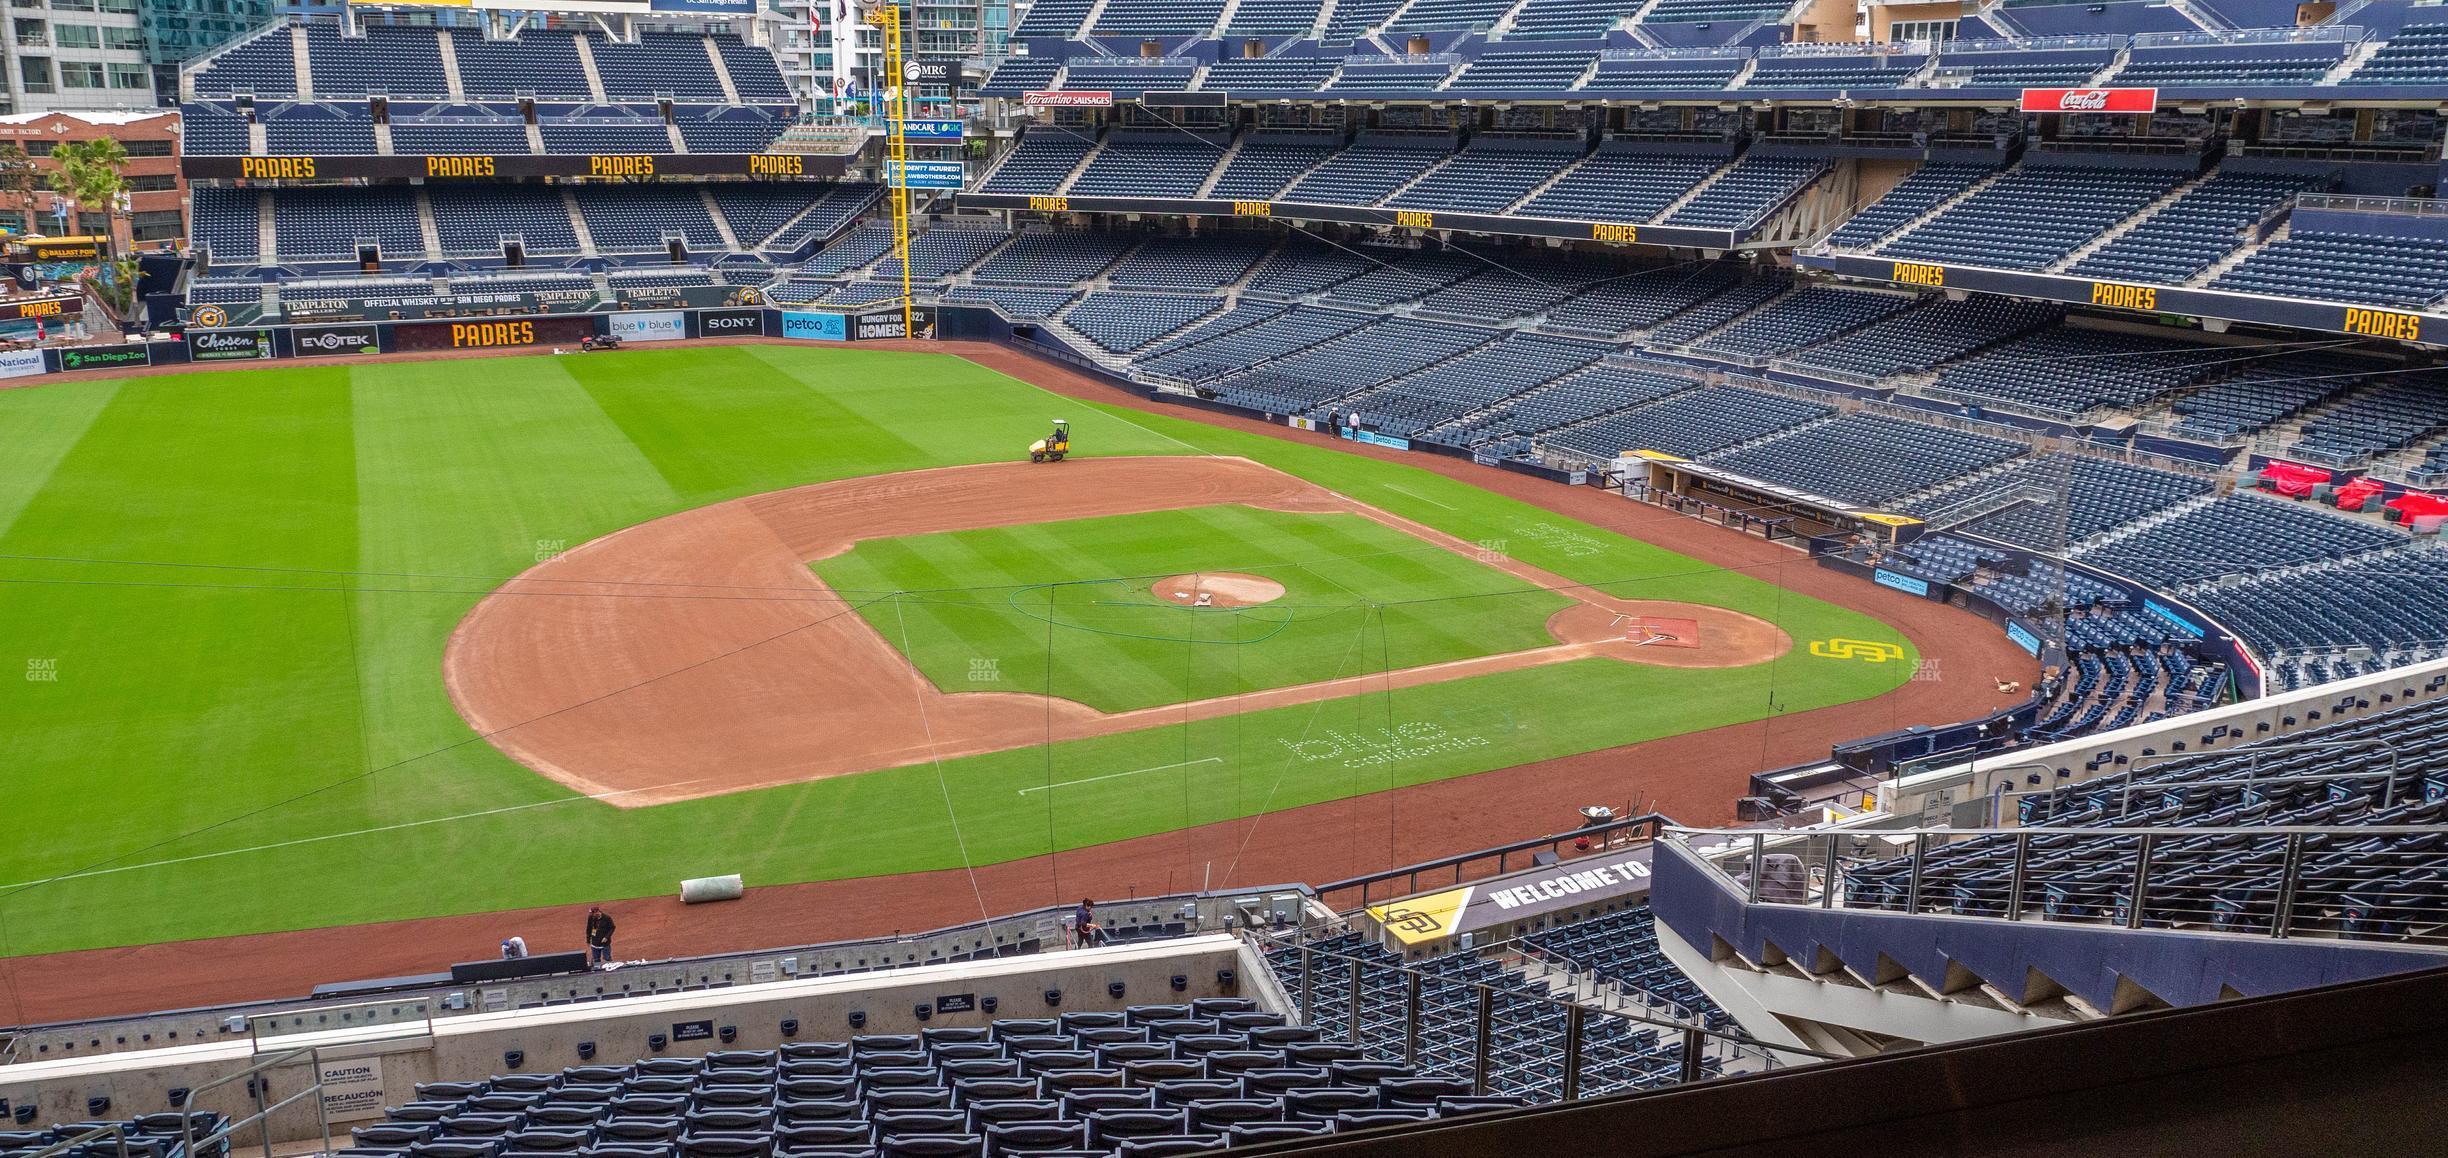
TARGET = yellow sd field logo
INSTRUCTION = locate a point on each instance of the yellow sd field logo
(1430, 918)
(1865, 650)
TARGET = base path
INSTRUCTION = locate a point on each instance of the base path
(698, 654)
(1694, 777)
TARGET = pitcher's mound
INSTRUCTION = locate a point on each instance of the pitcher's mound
(1221, 589)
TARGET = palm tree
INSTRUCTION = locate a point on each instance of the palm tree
(89, 173)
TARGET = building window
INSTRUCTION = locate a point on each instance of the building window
(80, 74)
(72, 5)
(120, 6)
(32, 34)
(1938, 31)
(130, 76)
(93, 223)
(35, 72)
(158, 225)
(126, 38)
(152, 183)
(78, 36)
(148, 148)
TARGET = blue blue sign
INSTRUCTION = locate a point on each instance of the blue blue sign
(2023, 639)
(2172, 619)
(932, 130)
(1906, 583)
(928, 174)
(815, 327)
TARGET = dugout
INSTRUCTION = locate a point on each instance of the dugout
(1752, 505)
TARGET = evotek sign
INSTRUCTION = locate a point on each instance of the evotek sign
(229, 345)
(2090, 100)
(334, 341)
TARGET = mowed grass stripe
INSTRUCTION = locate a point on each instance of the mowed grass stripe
(38, 430)
(197, 691)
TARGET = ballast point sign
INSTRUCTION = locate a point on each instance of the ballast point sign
(2090, 100)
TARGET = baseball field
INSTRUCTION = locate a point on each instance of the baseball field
(329, 644)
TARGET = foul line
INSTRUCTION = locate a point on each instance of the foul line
(1417, 495)
(1119, 775)
(125, 868)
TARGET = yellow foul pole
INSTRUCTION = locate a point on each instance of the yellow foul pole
(887, 19)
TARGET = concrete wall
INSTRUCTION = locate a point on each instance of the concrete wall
(475, 1046)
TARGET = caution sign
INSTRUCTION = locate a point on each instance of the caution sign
(1422, 919)
(353, 1089)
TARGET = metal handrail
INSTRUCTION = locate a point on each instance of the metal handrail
(117, 1130)
(1653, 822)
(2256, 751)
(260, 1090)
(1695, 1037)
(2132, 882)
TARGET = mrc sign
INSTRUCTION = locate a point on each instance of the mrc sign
(2090, 100)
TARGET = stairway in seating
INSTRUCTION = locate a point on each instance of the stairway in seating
(1087, 158)
(450, 63)
(578, 225)
(2238, 256)
(303, 60)
(1924, 217)
(2139, 216)
(1207, 187)
(586, 64)
(426, 226)
(1715, 175)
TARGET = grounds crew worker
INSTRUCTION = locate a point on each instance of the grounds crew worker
(598, 936)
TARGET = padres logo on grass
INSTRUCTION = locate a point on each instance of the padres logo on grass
(210, 316)
(1430, 918)
(1865, 650)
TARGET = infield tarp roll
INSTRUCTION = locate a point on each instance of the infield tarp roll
(703, 889)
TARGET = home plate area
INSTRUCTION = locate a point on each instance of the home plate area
(1659, 631)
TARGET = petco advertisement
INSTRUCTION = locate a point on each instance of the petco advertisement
(229, 345)
(814, 327)
(20, 363)
(334, 341)
(659, 326)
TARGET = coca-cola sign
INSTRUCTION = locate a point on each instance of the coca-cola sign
(2090, 100)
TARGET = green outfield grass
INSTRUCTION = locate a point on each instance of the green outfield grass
(1358, 597)
(229, 594)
